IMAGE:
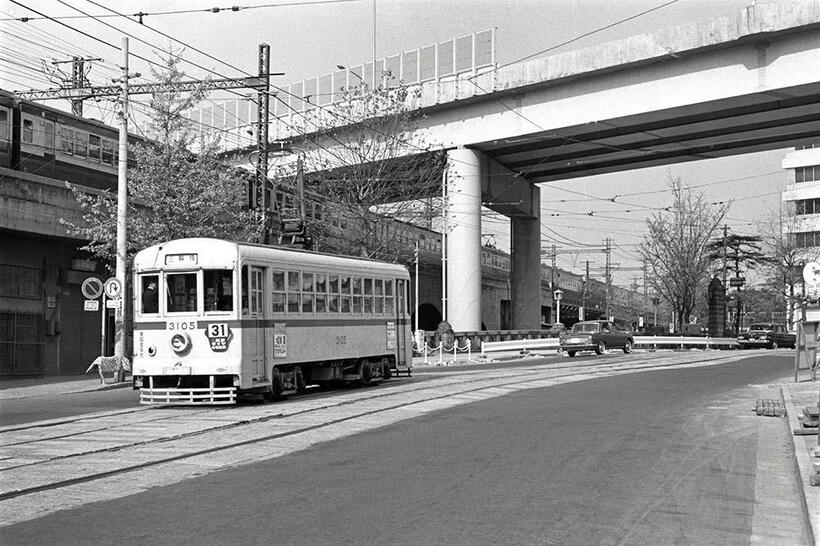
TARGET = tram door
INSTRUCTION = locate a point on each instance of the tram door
(401, 324)
(256, 310)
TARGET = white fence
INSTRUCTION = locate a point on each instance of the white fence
(651, 342)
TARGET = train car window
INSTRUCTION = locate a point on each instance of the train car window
(107, 152)
(94, 147)
(181, 292)
(279, 292)
(48, 136)
(149, 290)
(28, 131)
(243, 282)
(4, 124)
(357, 295)
(66, 135)
(80, 144)
(218, 289)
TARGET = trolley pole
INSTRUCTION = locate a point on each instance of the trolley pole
(122, 206)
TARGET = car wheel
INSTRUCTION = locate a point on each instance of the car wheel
(571, 353)
(628, 346)
(601, 348)
(774, 345)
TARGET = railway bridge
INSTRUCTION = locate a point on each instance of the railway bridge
(717, 88)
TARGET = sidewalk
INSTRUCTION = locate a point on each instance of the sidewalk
(30, 387)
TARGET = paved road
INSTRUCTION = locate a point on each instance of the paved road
(649, 458)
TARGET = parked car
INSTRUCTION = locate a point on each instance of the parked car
(598, 336)
(768, 335)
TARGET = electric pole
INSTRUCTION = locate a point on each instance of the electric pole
(263, 116)
(122, 204)
(608, 275)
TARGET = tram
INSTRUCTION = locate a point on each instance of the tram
(216, 319)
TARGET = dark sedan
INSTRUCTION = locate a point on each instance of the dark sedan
(598, 336)
(766, 335)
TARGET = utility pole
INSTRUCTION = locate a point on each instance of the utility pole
(584, 292)
(443, 244)
(552, 281)
(263, 116)
(122, 205)
(645, 296)
(77, 80)
(608, 275)
(725, 307)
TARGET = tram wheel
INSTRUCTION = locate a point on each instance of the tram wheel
(365, 373)
(299, 380)
(277, 385)
(387, 373)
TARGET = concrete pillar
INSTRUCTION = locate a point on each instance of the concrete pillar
(525, 277)
(464, 239)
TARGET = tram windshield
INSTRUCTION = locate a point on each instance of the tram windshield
(183, 294)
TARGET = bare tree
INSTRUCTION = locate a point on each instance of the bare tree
(786, 258)
(172, 192)
(368, 162)
(675, 247)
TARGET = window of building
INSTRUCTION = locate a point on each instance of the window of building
(19, 282)
(107, 152)
(807, 174)
(4, 124)
(80, 144)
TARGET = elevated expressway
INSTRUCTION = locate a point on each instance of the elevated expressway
(717, 88)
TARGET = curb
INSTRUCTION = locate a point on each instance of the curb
(803, 467)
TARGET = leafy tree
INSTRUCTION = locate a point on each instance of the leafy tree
(367, 160)
(675, 248)
(172, 192)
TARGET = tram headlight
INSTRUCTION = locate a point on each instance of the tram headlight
(180, 342)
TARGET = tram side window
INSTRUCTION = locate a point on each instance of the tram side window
(401, 294)
(321, 293)
(389, 301)
(307, 292)
(378, 289)
(368, 296)
(181, 291)
(218, 289)
(344, 283)
(357, 295)
(333, 297)
(279, 292)
(150, 293)
(293, 291)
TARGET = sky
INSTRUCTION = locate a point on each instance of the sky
(309, 38)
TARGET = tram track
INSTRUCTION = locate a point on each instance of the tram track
(247, 428)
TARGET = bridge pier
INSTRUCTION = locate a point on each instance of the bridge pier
(473, 178)
(463, 234)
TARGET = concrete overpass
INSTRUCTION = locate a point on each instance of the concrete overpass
(698, 91)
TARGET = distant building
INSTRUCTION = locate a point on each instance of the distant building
(803, 200)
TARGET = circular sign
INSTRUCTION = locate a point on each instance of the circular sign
(113, 288)
(180, 342)
(811, 273)
(92, 288)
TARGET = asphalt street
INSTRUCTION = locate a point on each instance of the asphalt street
(662, 457)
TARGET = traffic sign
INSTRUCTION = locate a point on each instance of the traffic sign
(113, 288)
(92, 288)
(91, 305)
(811, 273)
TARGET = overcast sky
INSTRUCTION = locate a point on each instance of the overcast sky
(309, 38)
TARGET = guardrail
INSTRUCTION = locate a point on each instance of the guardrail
(521, 345)
(681, 342)
(678, 342)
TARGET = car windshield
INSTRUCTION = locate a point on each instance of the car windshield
(585, 327)
(760, 327)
